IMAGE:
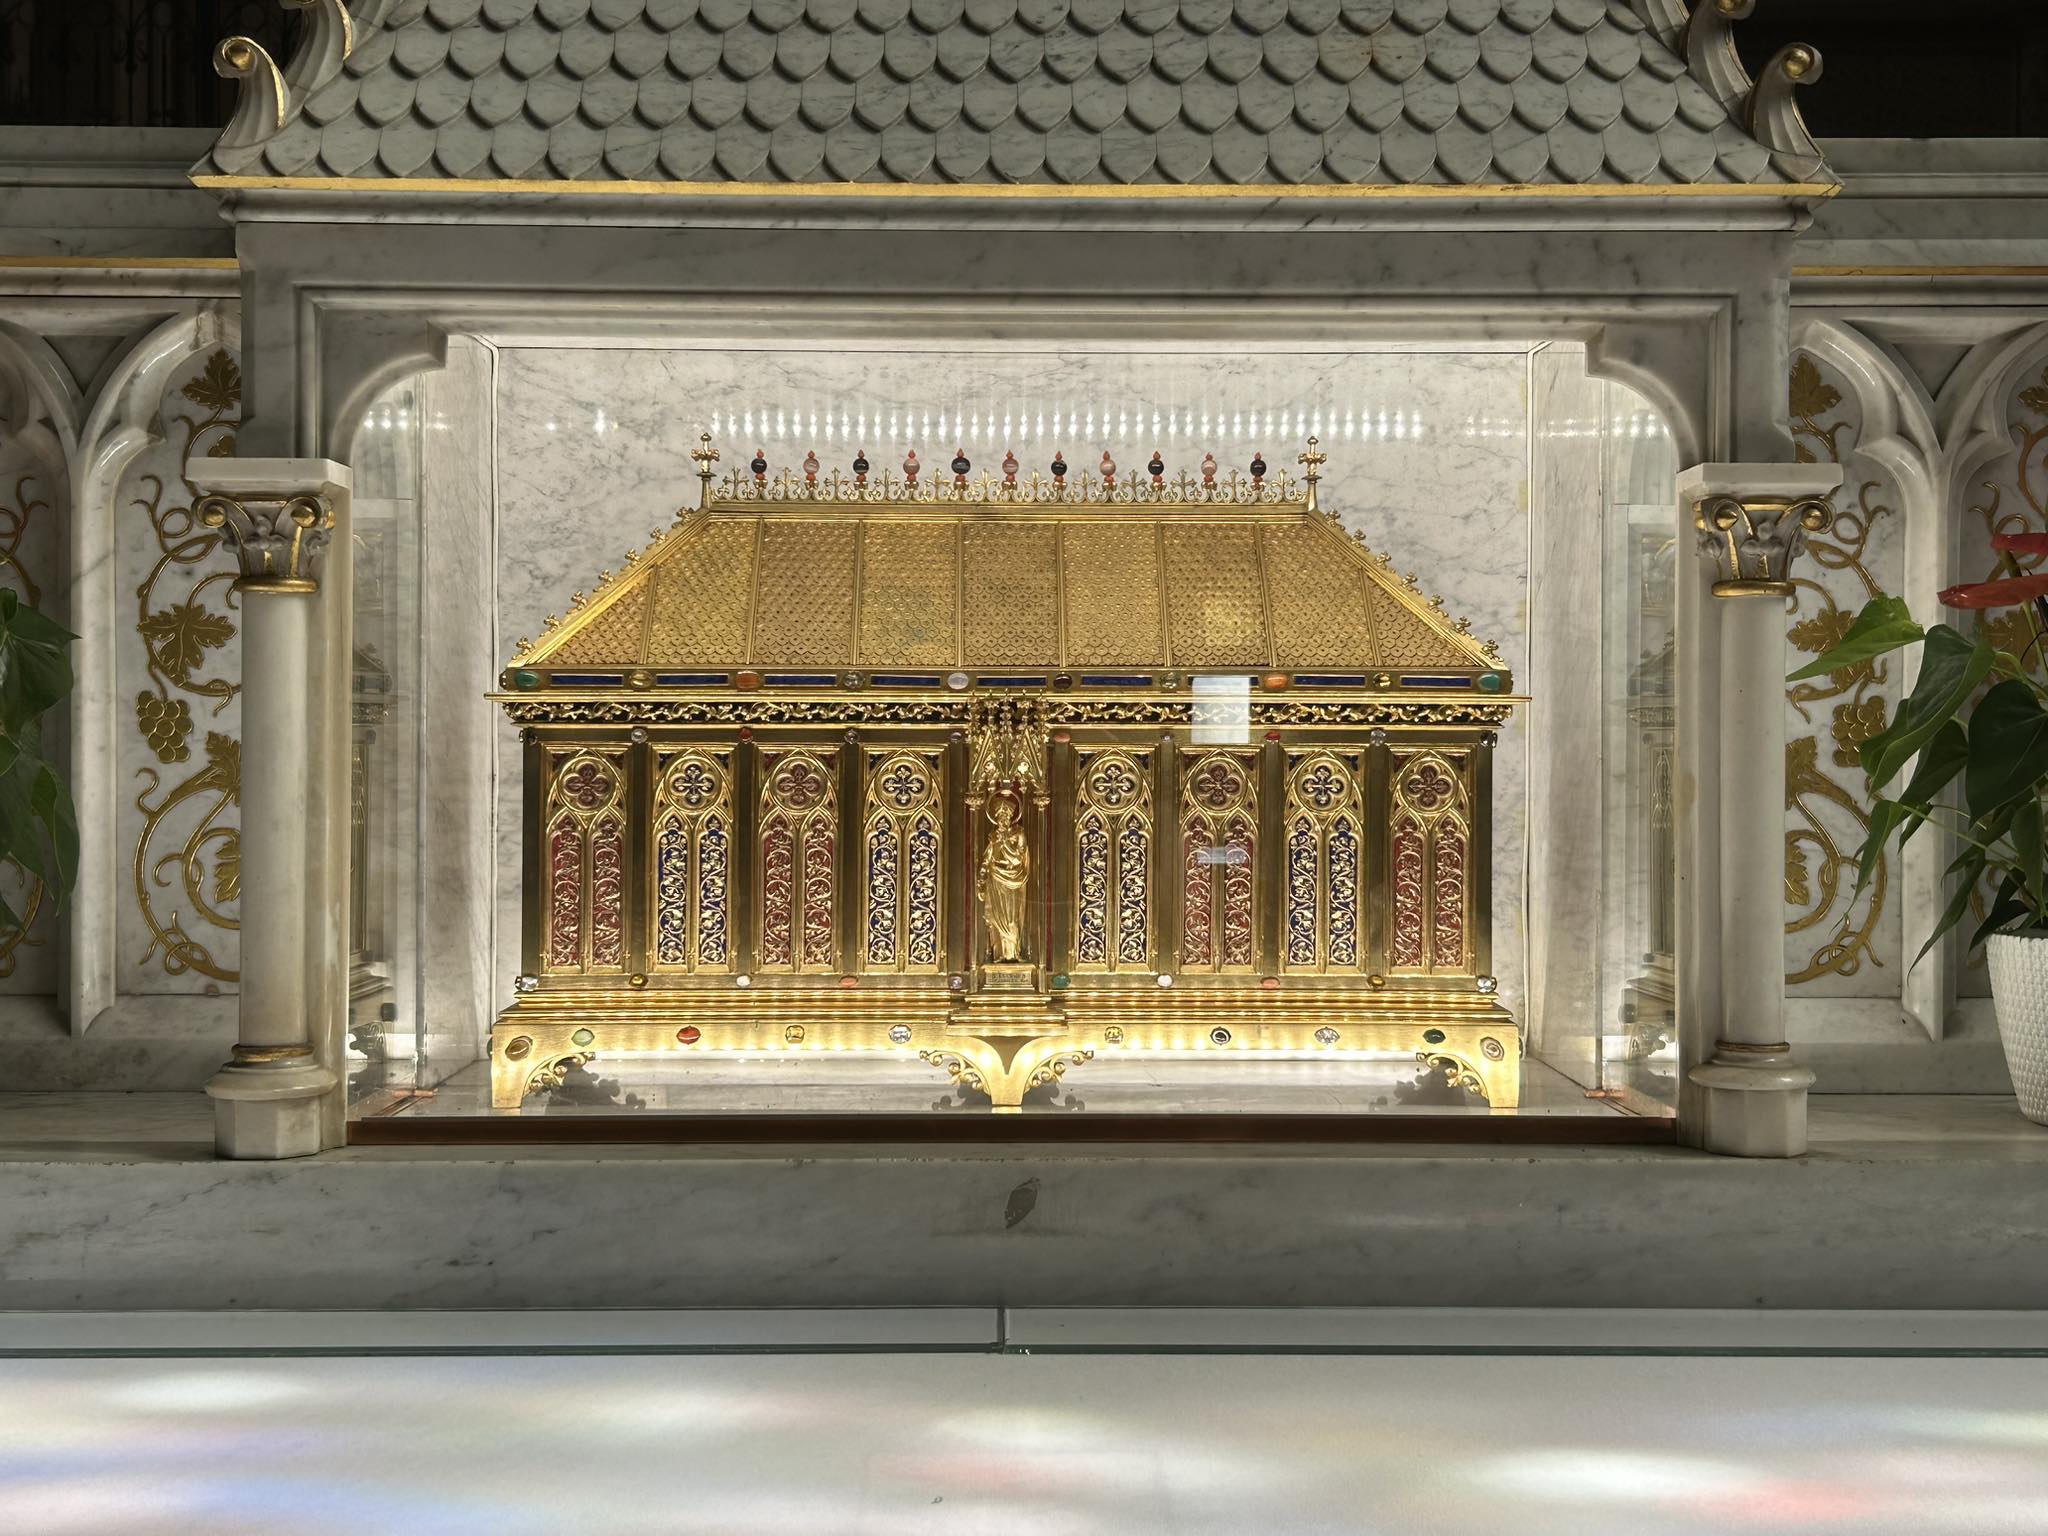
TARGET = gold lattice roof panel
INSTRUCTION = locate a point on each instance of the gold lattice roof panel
(839, 572)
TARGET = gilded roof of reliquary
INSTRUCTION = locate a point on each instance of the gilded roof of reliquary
(818, 583)
(1012, 92)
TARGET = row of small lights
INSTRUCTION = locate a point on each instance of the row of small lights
(1637, 424)
(1085, 425)
(1280, 426)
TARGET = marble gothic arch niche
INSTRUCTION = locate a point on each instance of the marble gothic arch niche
(1931, 476)
(153, 739)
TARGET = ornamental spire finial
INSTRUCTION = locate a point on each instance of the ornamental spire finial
(1311, 460)
(706, 456)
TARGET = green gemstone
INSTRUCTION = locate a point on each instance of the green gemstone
(1433, 1037)
(1059, 983)
(584, 1037)
(1489, 682)
(525, 679)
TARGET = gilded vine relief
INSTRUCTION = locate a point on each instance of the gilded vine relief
(1834, 931)
(187, 869)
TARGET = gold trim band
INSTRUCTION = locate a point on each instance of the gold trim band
(249, 1054)
(1987, 270)
(1033, 192)
(1749, 587)
(1745, 1048)
(127, 263)
(283, 586)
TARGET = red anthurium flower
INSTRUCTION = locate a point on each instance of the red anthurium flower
(2008, 593)
(2021, 543)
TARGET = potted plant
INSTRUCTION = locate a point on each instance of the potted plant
(1998, 749)
(38, 824)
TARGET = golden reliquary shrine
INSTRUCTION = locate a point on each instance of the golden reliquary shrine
(1007, 774)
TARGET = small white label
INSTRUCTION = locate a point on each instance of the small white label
(1222, 714)
(1230, 853)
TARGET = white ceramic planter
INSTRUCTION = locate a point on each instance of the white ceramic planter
(2019, 993)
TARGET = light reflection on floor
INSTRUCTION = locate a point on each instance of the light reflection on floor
(1013, 1445)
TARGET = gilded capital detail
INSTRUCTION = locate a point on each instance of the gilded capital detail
(280, 540)
(1753, 540)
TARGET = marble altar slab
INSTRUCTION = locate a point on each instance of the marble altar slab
(1904, 1203)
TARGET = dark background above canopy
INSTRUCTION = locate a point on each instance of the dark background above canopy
(1895, 68)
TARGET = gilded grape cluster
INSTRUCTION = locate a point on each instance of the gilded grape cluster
(165, 723)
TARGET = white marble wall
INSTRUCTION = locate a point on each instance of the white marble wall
(1428, 455)
(1566, 592)
(457, 665)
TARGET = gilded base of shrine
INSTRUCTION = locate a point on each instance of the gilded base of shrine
(1003, 1045)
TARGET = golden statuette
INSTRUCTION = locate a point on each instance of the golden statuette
(1005, 872)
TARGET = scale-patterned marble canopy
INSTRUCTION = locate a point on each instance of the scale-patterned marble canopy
(896, 585)
(1015, 92)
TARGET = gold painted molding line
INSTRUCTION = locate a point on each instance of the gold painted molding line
(128, 263)
(1012, 191)
(1982, 270)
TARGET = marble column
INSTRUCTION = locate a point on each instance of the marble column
(1752, 520)
(279, 516)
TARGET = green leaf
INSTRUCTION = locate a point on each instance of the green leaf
(1884, 625)
(1958, 904)
(22, 833)
(2026, 842)
(2008, 746)
(1951, 667)
(2005, 906)
(35, 664)
(1940, 761)
(38, 822)
(1884, 815)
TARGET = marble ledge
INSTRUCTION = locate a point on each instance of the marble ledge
(1905, 1202)
(163, 1044)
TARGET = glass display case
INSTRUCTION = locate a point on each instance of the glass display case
(1236, 762)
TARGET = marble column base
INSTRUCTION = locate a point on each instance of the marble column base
(1754, 1104)
(268, 1110)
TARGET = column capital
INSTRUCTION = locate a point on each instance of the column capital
(277, 514)
(1752, 520)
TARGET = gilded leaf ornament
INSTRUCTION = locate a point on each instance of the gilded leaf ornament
(1827, 811)
(187, 866)
(179, 637)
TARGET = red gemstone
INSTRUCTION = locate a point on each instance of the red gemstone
(689, 1034)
